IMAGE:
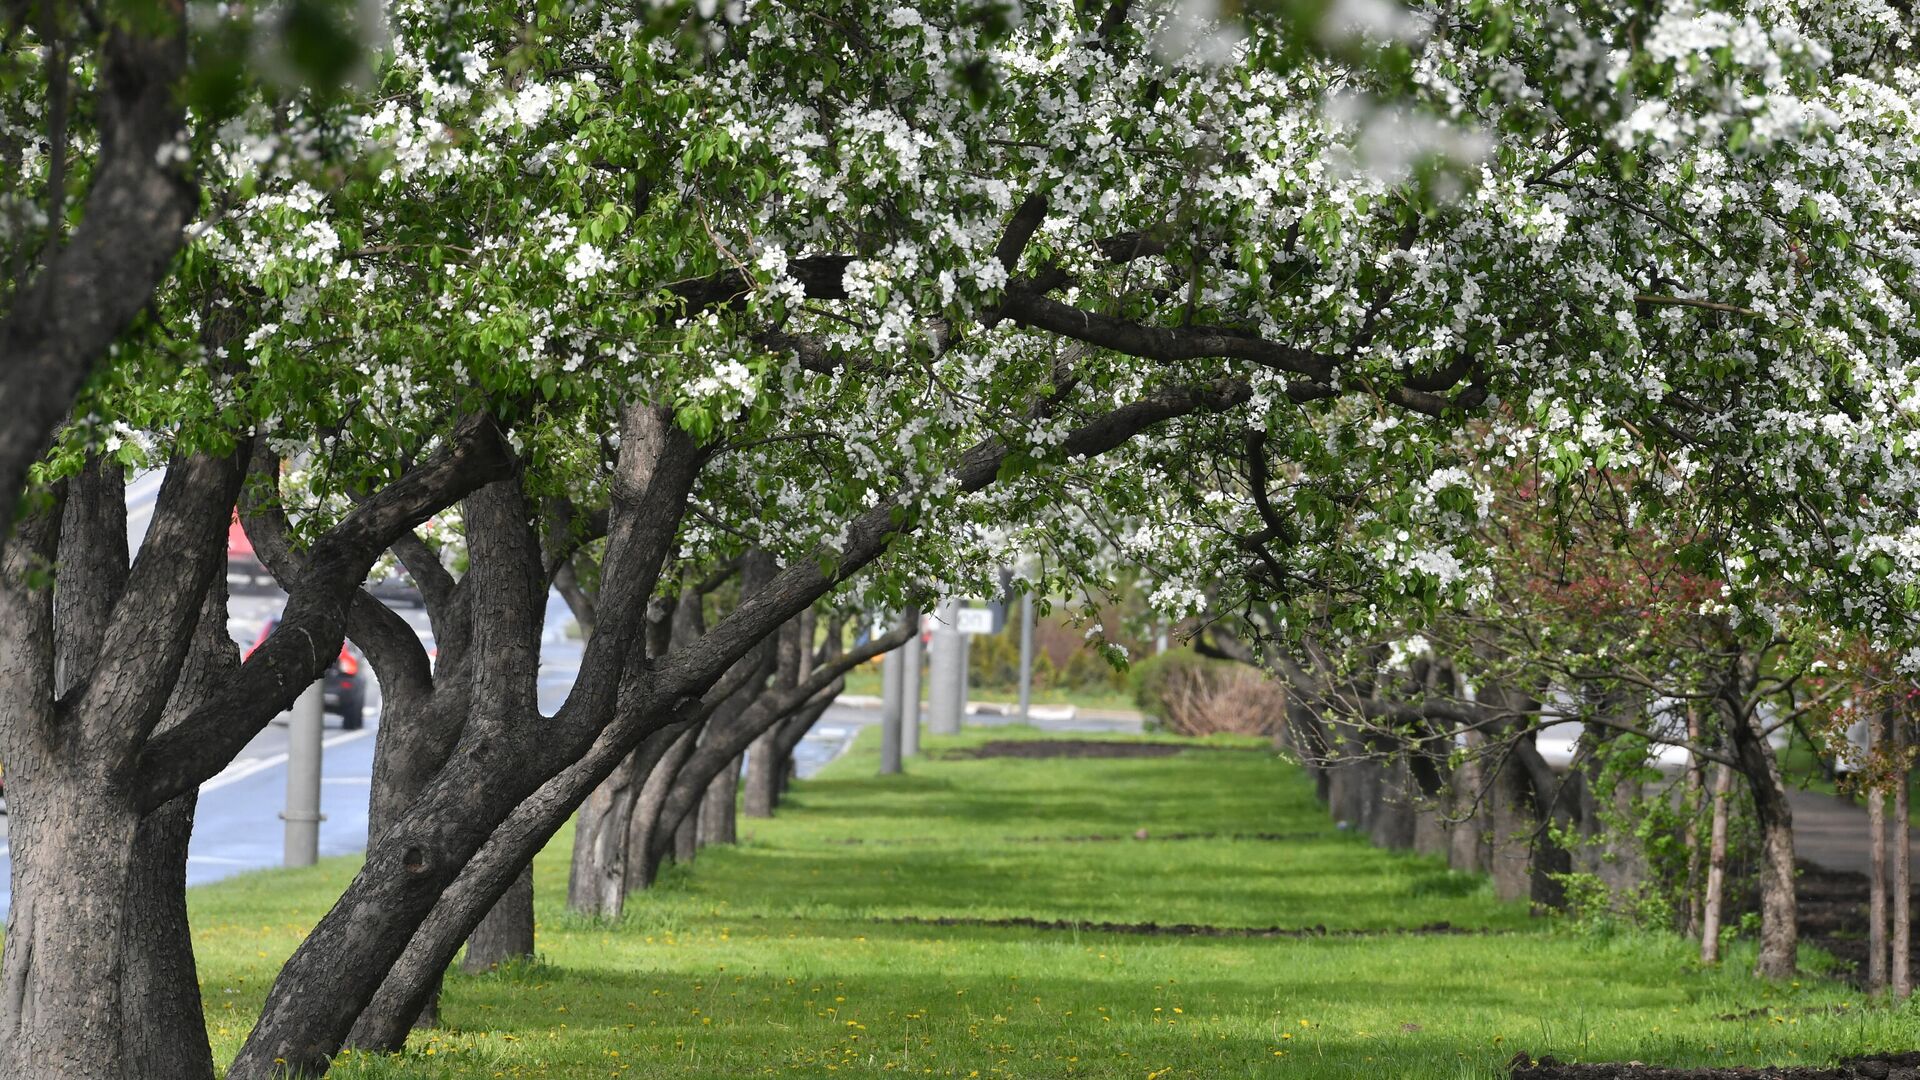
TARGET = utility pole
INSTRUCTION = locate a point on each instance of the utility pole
(911, 655)
(302, 815)
(1026, 658)
(946, 671)
(891, 682)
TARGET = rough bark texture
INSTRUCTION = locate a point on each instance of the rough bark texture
(596, 874)
(1779, 915)
(760, 782)
(506, 933)
(718, 805)
(114, 658)
(160, 987)
(529, 827)
(498, 764)
(643, 864)
(97, 279)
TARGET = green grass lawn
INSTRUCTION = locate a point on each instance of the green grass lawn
(865, 680)
(781, 956)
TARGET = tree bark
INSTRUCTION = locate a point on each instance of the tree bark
(95, 280)
(1715, 893)
(717, 806)
(596, 875)
(1877, 854)
(165, 1022)
(760, 784)
(642, 858)
(165, 1025)
(1779, 915)
(505, 755)
(506, 933)
(117, 656)
(1695, 798)
(1901, 973)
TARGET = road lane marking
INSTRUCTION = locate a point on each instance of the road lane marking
(232, 775)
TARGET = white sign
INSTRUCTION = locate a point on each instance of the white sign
(975, 620)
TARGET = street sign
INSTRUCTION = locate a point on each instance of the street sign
(975, 620)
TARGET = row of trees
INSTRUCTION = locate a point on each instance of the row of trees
(1618, 631)
(806, 308)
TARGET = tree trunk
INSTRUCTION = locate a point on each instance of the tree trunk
(72, 847)
(686, 839)
(1695, 797)
(506, 934)
(719, 805)
(786, 739)
(597, 875)
(760, 783)
(1710, 901)
(1466, 853)
(71, 830)
(1779, 914)
(1877, 848)
(160, 988)
(892, 686)
(478, 889)
(642, 860)
(1510, 822)
(1901, 974)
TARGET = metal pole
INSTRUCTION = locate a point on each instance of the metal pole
(302, 814)
(946, 671)
(891, 670)
(1026, 658)
(911, 655)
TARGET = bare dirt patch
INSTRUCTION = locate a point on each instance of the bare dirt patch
(1081, 748)
(1903, 1066)
(1096, 838)
(1150, 929)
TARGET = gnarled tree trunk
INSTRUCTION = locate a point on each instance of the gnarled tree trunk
(1779, 914)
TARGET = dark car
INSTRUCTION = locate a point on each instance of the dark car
(343, 690)
(396, 589)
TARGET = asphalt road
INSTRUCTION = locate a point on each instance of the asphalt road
(237, 827)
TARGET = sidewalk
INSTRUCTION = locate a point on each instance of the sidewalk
(1830, 832)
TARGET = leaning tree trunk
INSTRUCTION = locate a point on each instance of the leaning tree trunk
(161, 1005)
(597, 872)
(506, 934)
(717, 806)
(641, 865)
(1779, 916)
(160, 989)
(760, 782)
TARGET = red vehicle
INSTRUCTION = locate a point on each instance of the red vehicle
(244, 572)
(343, 690)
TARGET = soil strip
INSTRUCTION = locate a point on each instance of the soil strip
(1149, 929)
(1098, 838)
(1902, 1066)
(1083, 748)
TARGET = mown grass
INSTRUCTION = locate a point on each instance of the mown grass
(779, 957)
(864, 681)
